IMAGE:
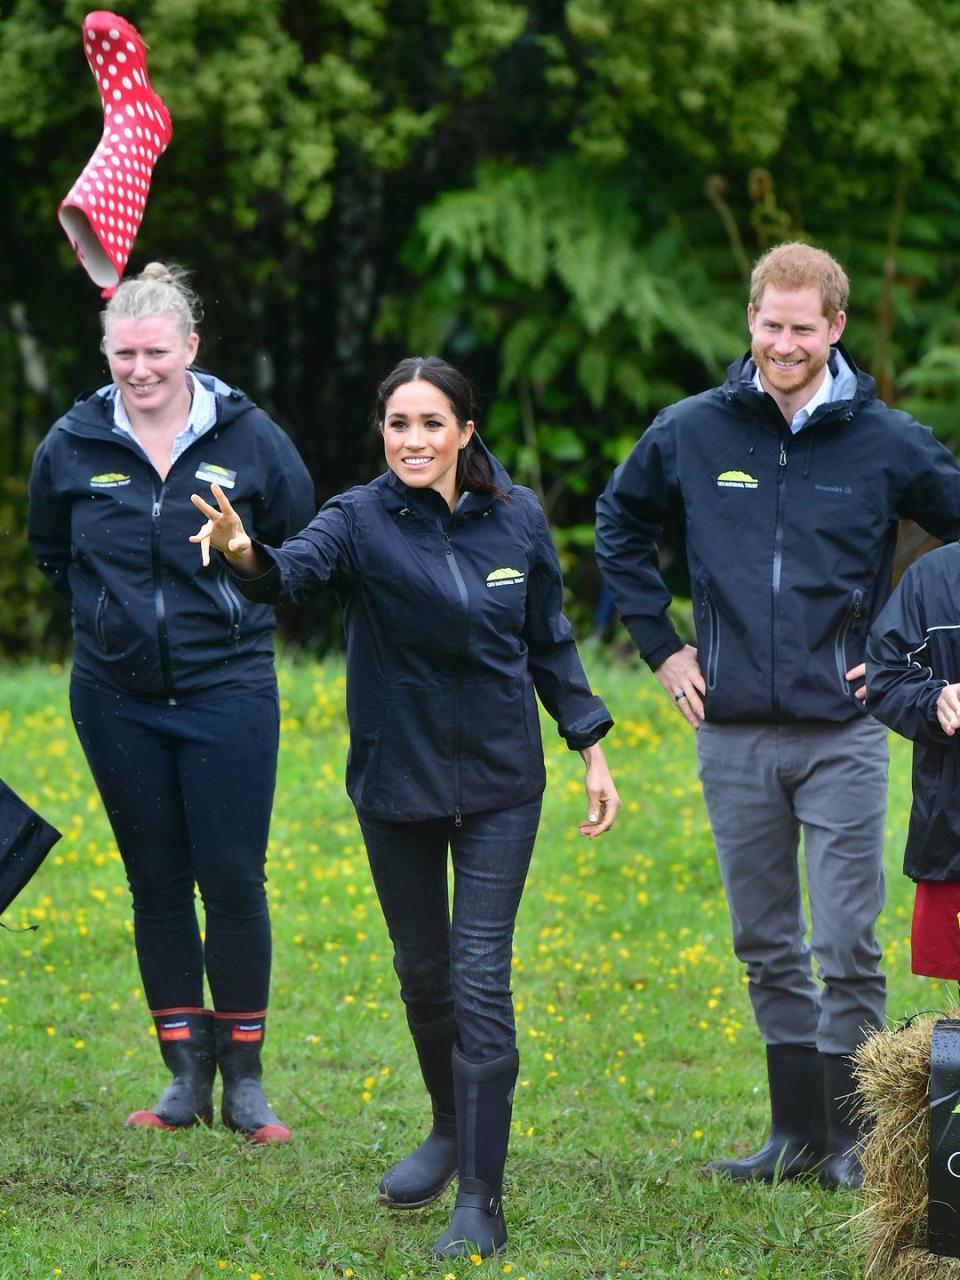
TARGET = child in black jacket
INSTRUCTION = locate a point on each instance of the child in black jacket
(913, 685)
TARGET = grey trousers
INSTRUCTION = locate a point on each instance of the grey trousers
(763, 785)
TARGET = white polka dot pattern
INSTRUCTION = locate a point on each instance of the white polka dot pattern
(102, 211)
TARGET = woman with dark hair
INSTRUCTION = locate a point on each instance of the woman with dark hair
(454, 622)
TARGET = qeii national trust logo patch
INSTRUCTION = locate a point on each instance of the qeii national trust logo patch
(736, 480)
(505, 577)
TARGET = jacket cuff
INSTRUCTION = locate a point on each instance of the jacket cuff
(934, 727)
(588, 731)
(658, 655)
(265, 589)
(654, 635)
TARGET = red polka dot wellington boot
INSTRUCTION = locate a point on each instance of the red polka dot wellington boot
(101, 213)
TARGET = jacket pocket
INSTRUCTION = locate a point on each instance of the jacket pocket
(407, 767)
(233, 605)
(840, 644)
(710, 630)
(502, 753)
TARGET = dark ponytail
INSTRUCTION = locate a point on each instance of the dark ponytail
(473, 468)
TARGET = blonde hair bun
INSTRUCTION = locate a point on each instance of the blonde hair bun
(158, 271)
(158, 289)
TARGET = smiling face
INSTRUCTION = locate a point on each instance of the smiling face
(422, 438)
(790, 341)
(148, 361)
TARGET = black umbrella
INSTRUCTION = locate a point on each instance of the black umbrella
(25, 840)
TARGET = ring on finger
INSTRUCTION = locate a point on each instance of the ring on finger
(678, 697)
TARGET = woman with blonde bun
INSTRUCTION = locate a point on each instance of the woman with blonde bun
(173, 690)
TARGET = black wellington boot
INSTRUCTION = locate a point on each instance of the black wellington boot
(798, 1124)
(422, 1175)
(243, 1107)
(841, 1169)
(185, 1037)
(484, 1093)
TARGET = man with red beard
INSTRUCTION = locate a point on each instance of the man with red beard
(791, 478)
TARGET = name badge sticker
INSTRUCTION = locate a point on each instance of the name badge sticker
(213, 474)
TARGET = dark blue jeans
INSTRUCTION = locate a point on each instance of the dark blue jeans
(460, 962)
(188, 790)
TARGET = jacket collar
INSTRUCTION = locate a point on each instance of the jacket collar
(91, 414)
(428, 502)
(852, 391)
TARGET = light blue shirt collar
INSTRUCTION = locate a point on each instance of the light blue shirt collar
(822, 395)
(203, 415)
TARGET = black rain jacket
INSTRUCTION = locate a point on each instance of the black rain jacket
(148, 620)
(453, 621)
(913, 650)
(790, 538)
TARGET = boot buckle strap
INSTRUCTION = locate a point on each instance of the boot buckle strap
(480, 1198)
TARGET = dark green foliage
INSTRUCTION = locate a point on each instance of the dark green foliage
(565, 199)
(33, 619)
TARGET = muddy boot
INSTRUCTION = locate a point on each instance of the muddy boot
(244, 1108)
(422, 1175)
(186, 1043)
(484, 1099)
(798, 1124)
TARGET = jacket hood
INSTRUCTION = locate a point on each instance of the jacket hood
(852, 387)
(501, 476)
(92, 411)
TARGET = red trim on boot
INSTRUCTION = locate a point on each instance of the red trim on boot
(146, 1120)
(180, 1008)
(174, 1024)
(270, 1133)
(180, 1032)
(247, 1027)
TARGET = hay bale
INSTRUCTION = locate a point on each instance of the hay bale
(893, 1074)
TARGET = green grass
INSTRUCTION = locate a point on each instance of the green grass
(639, 1059)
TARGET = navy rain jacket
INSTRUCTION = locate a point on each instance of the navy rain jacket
(453, 621)
(148, 619)
(790, 538)
(913, 650)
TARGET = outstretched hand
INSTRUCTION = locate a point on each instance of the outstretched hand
(223, 530)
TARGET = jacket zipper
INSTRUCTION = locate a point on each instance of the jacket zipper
(160, 610)
(234, 607)
(840, 649)
(713, 648)
(458, 681)
(775, 576)
(98, 620)
(163, 639)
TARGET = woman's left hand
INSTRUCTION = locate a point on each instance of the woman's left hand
(602, 799)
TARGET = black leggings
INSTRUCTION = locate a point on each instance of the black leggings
(188, 790)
